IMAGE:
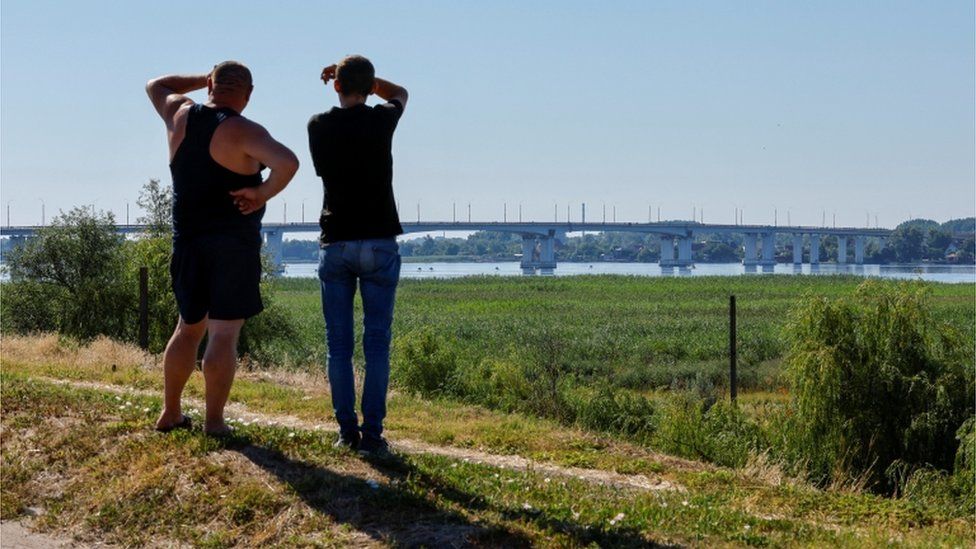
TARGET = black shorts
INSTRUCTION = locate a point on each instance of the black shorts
(216, 275)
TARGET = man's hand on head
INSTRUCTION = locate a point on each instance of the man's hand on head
(249, 199)
(328, 73)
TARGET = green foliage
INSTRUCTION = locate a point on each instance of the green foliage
(424, 364)
(879, 386)
(615, 411)
(154, 253)
(700, 428)
(961, 225)
(74, 273)
(907, 243)
(157, 201)
(28, 306)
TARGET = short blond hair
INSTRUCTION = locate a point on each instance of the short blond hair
(231, 76)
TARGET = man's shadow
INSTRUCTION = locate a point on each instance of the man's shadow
(393, 513)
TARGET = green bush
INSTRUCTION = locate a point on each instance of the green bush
(617, 411)
(701, 428)
(73, 272)
(423, 364)
(27, 306)
(879, 387)
(154, 253)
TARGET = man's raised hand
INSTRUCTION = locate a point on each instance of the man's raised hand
(328, 73)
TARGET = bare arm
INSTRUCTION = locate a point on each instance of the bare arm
(388, 91)
(258, 144)
(167, 93)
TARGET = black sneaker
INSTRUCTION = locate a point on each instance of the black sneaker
(348, 439)
(374, 446)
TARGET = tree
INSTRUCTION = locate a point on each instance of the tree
(157, 201)
(967, 252)
(907, 243)
(75, 271)
(719, 252)
(936, 243)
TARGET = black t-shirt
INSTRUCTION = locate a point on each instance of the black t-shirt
(351, 150)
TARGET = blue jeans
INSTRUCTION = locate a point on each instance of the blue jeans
(375, 264)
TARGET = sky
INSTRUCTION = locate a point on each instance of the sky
(862, 110)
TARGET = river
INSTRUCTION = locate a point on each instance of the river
(935, 273)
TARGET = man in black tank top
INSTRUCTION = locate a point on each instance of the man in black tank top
(216, 159)
(350, 146)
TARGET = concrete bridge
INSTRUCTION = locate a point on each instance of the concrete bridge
(538, 238)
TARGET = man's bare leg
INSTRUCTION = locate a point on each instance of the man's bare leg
(178, 362)
(219, 365)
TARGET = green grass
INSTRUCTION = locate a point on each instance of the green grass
(90, 460)
(637, 333)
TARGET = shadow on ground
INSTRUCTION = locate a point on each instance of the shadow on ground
(392, 513)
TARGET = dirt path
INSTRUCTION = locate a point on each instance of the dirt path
(239, 413)
(16, 535)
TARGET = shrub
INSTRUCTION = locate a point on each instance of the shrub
(701, 428)
(616, 411)
(154, 253)
(74, 273)
(879, 387)
(423, 364)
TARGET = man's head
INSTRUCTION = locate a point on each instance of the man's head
(355, 76)
(230, 83)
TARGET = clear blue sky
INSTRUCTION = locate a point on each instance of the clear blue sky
(849, 107)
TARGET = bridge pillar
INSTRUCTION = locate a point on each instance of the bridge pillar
(841, 249)
(797, 249)
(547, 253)
(528, 253)
(814, 249)
(273, 247)
(769, 249)
(667, 251)
(750, 249)
(684, 251)
(859, 250)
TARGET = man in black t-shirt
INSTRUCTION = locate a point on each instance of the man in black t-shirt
(351, 150)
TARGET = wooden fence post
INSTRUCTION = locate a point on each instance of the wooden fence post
(733, 389)
(144, 307)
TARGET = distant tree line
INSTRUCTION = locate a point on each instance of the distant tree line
(912, 241)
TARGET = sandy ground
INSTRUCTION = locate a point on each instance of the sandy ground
(15, 535)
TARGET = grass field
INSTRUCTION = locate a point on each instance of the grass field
(633, 332)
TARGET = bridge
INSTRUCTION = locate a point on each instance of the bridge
(538, 238)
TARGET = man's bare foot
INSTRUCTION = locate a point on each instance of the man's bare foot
(218, 430)
(168, 421)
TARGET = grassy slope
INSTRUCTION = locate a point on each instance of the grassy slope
(91, 460)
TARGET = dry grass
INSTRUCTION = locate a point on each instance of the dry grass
(51, 348)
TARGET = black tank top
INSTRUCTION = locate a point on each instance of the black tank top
(202, 204)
